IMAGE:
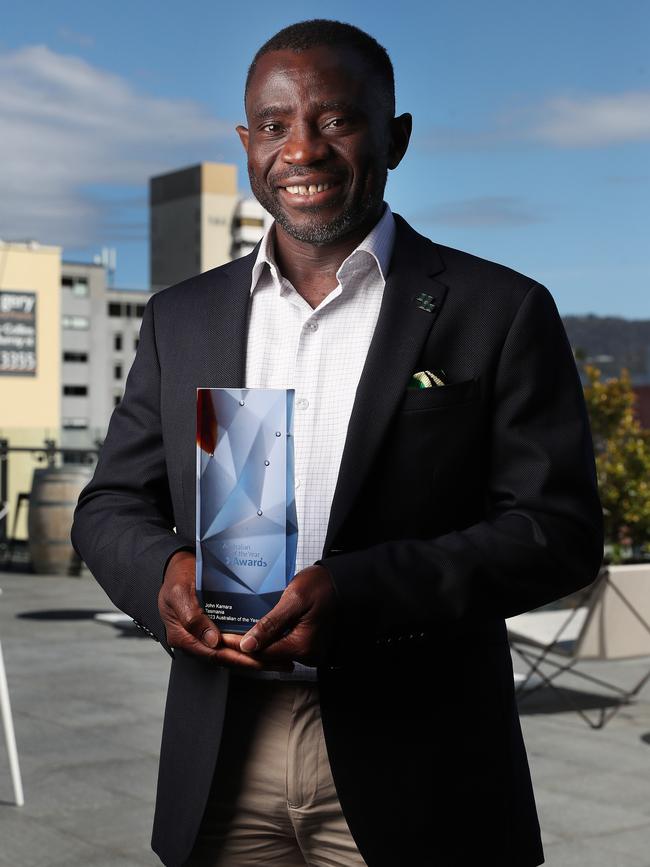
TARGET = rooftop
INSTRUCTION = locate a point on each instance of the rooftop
(87, 705)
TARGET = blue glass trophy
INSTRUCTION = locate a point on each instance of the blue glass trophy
(246, 529)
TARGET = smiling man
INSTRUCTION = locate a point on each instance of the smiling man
(370, 717)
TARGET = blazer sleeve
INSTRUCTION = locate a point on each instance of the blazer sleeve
(541, 537)
(123, 524)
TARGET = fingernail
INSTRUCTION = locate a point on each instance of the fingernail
(248, 644)
(211, 637)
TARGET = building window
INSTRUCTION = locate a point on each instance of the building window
(75, 323)
(114, 309)
(117, 371)
(116, 399)
(136, 343)
(117, 342)
(75, 390)
(127, 310)
(74, 424)
(139, 310)
(77, 285)
(75, 356)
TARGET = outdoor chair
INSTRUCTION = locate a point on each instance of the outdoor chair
(610, 620)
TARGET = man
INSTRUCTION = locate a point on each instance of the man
(426, 516)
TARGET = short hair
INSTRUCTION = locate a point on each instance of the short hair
(323, 31)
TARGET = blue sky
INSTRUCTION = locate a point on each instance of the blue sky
(531, 141)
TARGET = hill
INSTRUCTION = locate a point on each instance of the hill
(612, 343)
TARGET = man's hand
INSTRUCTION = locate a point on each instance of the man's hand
(300, 626)
(189, 628)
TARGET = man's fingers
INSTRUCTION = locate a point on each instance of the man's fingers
(275, 624)
(180, 638)
(284, 648)
(236, 659)
(271, 656)
(184, 610)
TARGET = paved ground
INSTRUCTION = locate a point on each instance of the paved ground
(88, 706)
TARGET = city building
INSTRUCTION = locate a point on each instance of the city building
(249, 223)
(198, 220)
(100, 326)
(125, 308)
(191, 214)
(30, 369)
(85, 400)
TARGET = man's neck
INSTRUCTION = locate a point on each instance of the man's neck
(311, 269)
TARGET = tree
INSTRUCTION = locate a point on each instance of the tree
(622, 462)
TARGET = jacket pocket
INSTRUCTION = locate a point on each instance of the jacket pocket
(417, 399)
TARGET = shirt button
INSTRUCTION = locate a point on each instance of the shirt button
(302, 403)
(311, 326)
(297, 483)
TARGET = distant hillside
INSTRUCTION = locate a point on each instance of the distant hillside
(625, 341)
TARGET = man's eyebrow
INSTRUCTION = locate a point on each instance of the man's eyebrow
(337, 105)
(270, 111)
(267, 111)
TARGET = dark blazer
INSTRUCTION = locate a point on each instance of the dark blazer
(455, 507)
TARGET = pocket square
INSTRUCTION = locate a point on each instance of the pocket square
(426, 379)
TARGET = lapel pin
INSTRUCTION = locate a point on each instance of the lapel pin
(426, 302)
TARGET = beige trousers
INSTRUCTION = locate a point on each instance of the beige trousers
(273, 800)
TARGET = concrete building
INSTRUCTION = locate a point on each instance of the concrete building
(30, 351)
(249, 223)
(124, 308)
(85, 400)
(30, 338)
(191, 214)
(99, 336)
(198, 220)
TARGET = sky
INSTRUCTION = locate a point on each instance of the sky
(531, 140)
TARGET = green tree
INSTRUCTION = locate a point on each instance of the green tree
(622, 461)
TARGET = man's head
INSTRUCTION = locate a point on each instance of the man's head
(321, 136)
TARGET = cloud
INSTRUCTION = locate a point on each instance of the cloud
(586, 121)
(69, 128)
(81, 39)
(480, 212)
(594, 121)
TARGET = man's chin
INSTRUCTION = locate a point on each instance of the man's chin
(319, 229)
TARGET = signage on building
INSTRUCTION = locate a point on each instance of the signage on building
(17, 333)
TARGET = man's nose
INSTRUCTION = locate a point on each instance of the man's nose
(304, 145)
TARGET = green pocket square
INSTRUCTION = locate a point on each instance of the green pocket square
(425, 379)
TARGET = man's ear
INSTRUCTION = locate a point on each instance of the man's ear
(242, 132)
(400, 133)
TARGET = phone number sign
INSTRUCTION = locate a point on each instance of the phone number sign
(17, 333)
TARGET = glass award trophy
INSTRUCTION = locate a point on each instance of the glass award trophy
(246, 530)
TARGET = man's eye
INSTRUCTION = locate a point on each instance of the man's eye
(335, 123)
(271, 127)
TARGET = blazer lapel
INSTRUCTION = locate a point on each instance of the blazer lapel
(411, 302)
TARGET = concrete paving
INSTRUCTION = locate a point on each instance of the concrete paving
(88, 702)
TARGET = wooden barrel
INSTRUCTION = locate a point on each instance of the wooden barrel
(54, 495)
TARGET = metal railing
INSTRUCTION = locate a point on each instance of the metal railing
(49, 454)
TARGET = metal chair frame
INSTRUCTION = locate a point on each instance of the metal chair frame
(552, 655)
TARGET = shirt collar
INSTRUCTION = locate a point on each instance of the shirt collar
(377, 244)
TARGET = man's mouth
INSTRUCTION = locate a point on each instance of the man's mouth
(303, 190)
(310, 195)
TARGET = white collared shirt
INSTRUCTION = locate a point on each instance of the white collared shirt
(320, 353)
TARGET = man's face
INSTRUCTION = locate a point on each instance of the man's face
(319, 142)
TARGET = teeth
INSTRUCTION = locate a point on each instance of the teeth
(302, 190)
